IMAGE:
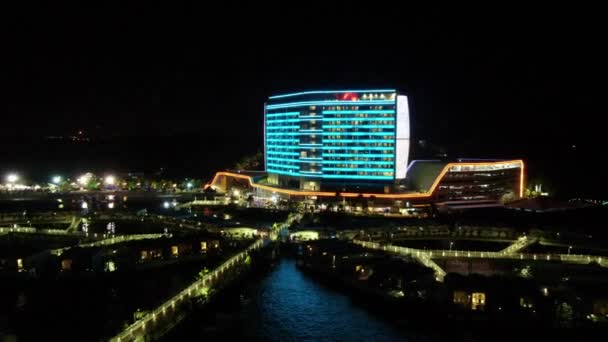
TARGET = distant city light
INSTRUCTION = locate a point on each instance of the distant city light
(56, 179)
(12, 178)
(84, 179)
(110, 180)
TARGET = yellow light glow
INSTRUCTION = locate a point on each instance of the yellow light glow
(12, 178)
(521, 179)
(110, 180)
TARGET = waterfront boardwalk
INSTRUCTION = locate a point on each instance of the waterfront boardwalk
(174, 310)
(166, 316)
(426, 256)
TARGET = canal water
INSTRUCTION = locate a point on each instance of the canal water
(286, 304)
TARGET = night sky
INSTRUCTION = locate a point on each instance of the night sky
(183, 87)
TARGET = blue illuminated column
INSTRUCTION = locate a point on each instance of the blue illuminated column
(281, 133)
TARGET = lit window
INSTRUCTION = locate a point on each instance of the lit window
(478, 300)
(66, 264)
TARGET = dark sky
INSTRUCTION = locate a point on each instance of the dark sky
(482, 82)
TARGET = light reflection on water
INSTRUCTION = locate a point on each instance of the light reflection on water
(287, 305)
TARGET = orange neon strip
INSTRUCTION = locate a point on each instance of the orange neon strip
(521, 180)
(354, 194)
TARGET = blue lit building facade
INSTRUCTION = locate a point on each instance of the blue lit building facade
(322, 139)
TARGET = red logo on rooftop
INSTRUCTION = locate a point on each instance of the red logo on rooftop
(347, 97)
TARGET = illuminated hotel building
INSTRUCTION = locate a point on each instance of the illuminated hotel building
(324, 139)
(354, 144)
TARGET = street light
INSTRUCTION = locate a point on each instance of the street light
(569, 249)
(84, 179)
(12, 178)
(451, 244)
(56, 179)
(110, 180)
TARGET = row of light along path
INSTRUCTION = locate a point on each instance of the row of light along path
(169, 309)
(426, 256)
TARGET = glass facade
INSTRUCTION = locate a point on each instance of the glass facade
(352, 134)
(493, 181)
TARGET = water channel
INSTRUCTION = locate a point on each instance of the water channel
(285, 304)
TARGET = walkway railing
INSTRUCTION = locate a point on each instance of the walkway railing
(568, 258)
(145, 325)
(425, 256)
(518, 245)
(32, 230)
(199, 202)
(50, 216)
(6, 230)
(111, 241)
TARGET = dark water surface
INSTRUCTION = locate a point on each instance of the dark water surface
(288, 305)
